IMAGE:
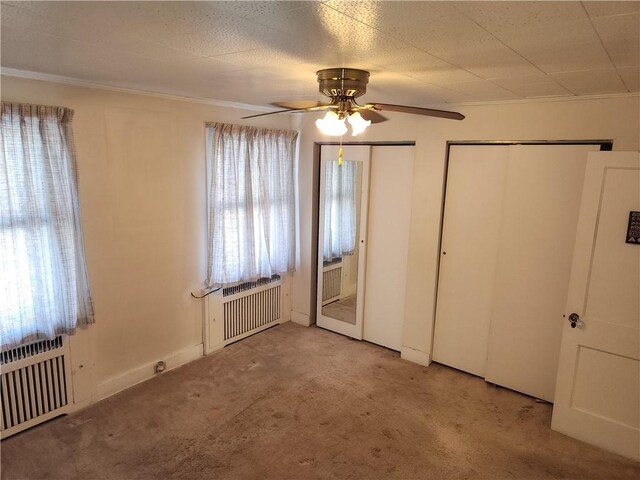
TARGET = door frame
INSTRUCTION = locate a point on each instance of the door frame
(606, 145)
(315, 215)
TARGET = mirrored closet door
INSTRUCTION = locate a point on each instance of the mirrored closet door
(342, 230)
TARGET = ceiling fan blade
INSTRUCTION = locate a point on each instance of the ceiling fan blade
(375, 117)
(270, 113)
(301, 104)
(415, 110)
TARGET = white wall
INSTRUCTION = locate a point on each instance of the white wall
(142, 195)
(615, 118)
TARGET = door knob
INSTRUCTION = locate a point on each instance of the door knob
(574, 319)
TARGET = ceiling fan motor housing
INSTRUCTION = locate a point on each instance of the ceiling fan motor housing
(343, 83)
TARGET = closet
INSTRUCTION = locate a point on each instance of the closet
(508, 231)
(363, 240)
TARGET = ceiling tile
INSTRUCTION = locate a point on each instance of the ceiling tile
(258, 58)
(258, 86)
(439, 29)
(499, 16)
(630, 77)
(516, 80)
(493, 61)
(223, 35)
(540, 85)
(402, 58)
(591, 82)
(258, 9)
(313, 33)
(436, 28)
(434, 94)
(420, 96)
(609, 8)
(621, 38)
(571, 47)
(536, 90)
(70, 58)
(483, 89)
(436, 72)
(91, 24)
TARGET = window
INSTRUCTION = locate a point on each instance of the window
(43, 279)
(251, 203)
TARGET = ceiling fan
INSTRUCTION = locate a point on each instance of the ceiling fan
(343, 86)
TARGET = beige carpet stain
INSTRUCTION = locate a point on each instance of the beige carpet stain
(304, 403)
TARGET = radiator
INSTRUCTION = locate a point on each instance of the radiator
(331, 283)
(239, 311)
(36, 384)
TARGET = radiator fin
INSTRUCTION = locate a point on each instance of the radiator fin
(227, 291)
(331, 284)
(30, 350)
(32, 391)
(33, 384)
(251, 311)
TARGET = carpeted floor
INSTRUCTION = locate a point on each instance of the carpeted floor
(304, 403)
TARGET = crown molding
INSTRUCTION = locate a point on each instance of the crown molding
(559, 98)
(47, 77)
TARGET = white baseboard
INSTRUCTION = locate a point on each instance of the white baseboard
(144, 372)
(300, 318)
(415, 356)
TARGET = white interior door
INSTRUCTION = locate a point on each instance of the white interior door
(340, 305)
(473, 208)
(543, 187)
(390, 191)
(598, 385)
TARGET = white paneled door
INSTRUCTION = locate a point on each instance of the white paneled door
(598, 384)
(508, 233)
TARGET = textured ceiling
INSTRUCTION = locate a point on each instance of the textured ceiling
(418, 53)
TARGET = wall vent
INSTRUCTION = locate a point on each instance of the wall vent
(35, 385)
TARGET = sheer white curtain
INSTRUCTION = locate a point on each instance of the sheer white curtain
(340, 209)
(44, 289)
(251, 203)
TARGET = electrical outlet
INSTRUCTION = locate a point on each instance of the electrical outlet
(160, 367)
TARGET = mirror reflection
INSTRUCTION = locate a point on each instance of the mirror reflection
(343, 188)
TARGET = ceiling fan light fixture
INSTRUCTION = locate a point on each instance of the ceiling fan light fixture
(343, 86)
(331, 124)
(358, 124)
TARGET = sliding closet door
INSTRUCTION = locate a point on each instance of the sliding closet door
(539, 219)
(472, 219)
(342, 233)
(508, 233)
(362, 280)
(390, 192)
